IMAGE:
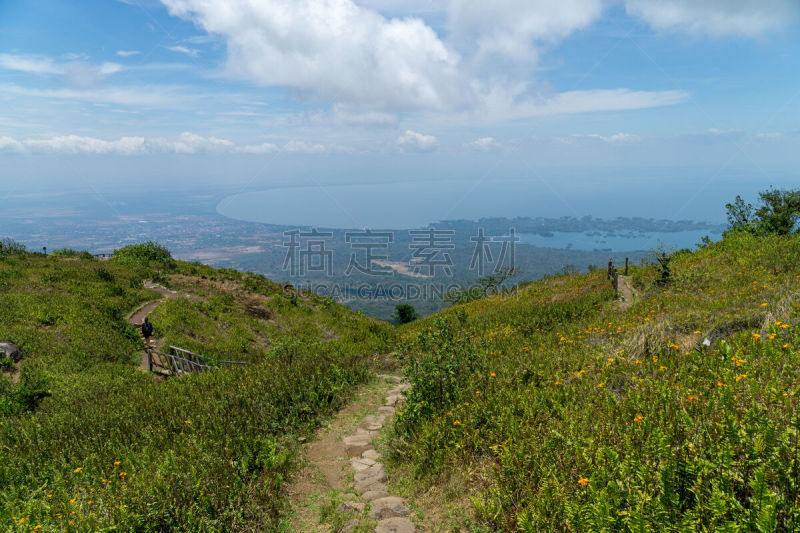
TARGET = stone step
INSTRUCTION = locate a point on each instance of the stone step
(388, 507)
(395, 525)
(359, 463)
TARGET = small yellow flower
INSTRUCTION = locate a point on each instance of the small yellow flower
(492, 375)
(691, 397)
(638, 418)
(655, 359)
(720, 384)
(37, 528)
(601, 385)
(456, 423)
(583, 481)
(78, 469)
(187, 421)
(73, 500)
(697, 332)
(637, 362)
(117, 463)
(785, 345)
(756, 336)
(466, 403)
(123, 474)
(771, 336)
(558, 383)
(764, 304)
(22, 521)
(662, 368)
(740, 377)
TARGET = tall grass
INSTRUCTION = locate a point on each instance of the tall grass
(564, 413)
(103, 446)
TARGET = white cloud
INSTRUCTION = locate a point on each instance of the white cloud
(513, 29)
(129, 96)
(617, 138)
(414, 141)
(355, 58)
(304, 148)
(77, 73)
(717, 18)
(9, 144)
(74, 144)
(186, 143)
(191, 52)
(332, 49)
(30, 64)
(127, 53)
(483, 144)
(190, 143)
(264, 148)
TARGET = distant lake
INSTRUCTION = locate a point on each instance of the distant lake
(619, 241)
(415, 204)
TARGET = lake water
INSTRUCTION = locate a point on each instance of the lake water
(619, 241)
(416, 204)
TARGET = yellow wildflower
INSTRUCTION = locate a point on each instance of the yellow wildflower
(583, 481)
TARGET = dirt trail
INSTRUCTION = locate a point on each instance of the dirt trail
(341, 486)
(626, 292)
(137, 317)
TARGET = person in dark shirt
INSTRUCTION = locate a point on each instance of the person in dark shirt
(147, 331)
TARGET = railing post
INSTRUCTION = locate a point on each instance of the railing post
(610, 266)
(616, 282)
(626, 266)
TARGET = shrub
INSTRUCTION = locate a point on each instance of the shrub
(144, 254)
(405, 313)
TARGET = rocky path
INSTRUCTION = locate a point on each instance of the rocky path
(137, 317)
(626, 292)
(344, 469)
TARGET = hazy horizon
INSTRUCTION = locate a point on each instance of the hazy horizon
(600, 107)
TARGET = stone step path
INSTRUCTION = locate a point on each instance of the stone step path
(369, 474)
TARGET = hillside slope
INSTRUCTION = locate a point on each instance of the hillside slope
(553, 410)
(88, 441)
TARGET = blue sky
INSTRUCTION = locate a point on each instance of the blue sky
(584, 95)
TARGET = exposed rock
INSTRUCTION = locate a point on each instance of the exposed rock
(388, 507)
(369, 485)
(374, 495)
(371, 454)
(358, 464)
(386, 410)
(378, 474)
(395, 525)
(10, 350)
(351, 507)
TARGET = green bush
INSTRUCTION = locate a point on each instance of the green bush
(144, 254)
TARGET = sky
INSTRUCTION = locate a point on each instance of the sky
(630, 101)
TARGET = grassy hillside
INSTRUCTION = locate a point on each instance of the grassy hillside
(89, 442)
(556, 411)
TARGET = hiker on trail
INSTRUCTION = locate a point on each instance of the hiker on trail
(147, 331)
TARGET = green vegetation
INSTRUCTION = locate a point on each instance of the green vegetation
(405, 313)
(777, 215)
(561, 412)
(549, 407)
(89, 442)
